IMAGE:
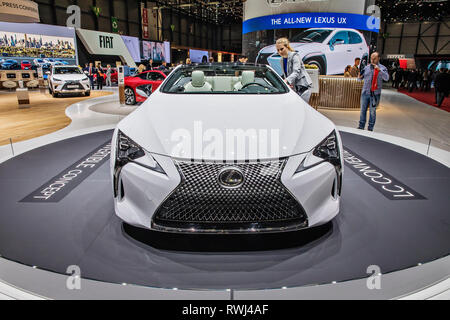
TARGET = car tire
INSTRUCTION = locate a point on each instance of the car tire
(130, 97)
(319, 63)
(55, 95)
(87, 93)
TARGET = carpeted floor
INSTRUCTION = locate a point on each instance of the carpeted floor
(428, 98)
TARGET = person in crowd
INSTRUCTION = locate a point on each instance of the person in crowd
(373, 74)
(126, 70)
(108, 76)
(394, 77)
(211, 59)
(354, 71)
(188, 61)
(347, 72)
(100, 77)
(163, 66)
(441, 86)
(91, 71)
(425, 81)
(242, 59)
(412, 80)
(150, 64)
(141, 68)
(294, 72)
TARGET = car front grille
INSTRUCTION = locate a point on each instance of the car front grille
(72, 85)
(201, 203)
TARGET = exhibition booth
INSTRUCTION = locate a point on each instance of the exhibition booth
(299, 205)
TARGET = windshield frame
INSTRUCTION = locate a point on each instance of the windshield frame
(164, 88)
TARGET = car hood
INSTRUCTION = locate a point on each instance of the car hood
(295, 46)
(165, 123)
(71, 77)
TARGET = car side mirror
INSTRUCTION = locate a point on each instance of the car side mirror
(339, 41)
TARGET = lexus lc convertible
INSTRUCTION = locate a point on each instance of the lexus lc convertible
(226, 148)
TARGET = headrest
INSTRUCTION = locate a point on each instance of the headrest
(198, 78)
(247, 77)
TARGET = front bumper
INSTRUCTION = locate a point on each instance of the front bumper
(165, 202)
(69, 88)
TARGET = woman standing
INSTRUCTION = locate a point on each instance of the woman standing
(347, 72)
(108, 76)
(294, 72)
(100, 77)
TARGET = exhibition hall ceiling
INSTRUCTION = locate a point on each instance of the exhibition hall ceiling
(414, 10)
(228, 11)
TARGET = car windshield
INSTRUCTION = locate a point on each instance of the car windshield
(218, 78)
(67, 70)
(312, 35)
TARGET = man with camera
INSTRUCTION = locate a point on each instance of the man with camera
(373, 74)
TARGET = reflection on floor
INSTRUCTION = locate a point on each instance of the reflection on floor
(46, 115)
(402, 116)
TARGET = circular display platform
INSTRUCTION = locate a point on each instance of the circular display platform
(394, 214)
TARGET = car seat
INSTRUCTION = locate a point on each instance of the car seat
(198, 83)
(247, 77)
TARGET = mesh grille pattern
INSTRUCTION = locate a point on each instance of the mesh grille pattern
(201, 199)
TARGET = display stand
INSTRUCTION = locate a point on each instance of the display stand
(23, 96)
(42, 88)
(121, 84)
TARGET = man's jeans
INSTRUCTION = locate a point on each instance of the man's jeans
(439, 97)
(372, 101)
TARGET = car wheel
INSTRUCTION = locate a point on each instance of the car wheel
(87, 93)
(130, 98)
(55, 95)
(318, 63)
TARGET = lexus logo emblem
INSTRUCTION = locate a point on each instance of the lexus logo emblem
(231, 177)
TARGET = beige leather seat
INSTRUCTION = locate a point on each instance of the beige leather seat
(32, 83)
(198, 83)
(247, 77)
(9, 84)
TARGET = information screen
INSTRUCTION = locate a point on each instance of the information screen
(198, 56)
(31, 41)
(158, 51)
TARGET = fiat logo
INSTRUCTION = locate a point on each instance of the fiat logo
(231, 178)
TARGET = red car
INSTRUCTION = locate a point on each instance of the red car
(25, 65)
(139, 87)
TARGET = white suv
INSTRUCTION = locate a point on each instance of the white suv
(68, 80)
(331, 50)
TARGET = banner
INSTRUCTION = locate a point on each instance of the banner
(144, 22)
(114, 24)
(104, 43)
(19, 11)
(312, 20)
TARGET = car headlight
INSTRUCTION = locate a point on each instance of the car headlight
(326, 151)
(85, 79)
(56, 79)
(129, 151)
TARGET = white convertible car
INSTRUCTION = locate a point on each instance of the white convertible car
(226, 148)
(67, 79)
(331, 50)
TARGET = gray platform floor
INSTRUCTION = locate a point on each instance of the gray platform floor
(82, 229)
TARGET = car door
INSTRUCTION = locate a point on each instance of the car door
(156, 78)
(357, 45)
(338, 53)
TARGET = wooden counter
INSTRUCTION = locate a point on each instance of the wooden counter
(337, 93)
